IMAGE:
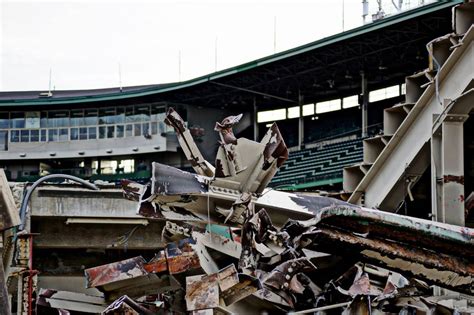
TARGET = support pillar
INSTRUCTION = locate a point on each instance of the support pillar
(452, 166)
(255, 121)
(300, 123)
(447, 170)
(365, 104)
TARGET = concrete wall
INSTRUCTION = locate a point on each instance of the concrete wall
(86, 148)
(51, 201)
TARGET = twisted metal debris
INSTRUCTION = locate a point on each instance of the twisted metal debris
(237, 246)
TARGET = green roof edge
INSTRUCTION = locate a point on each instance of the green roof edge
(393, 19)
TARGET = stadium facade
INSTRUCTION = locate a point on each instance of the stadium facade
(316, 92)
(360, 117)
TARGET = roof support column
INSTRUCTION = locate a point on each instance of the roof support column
(300, 122)
(452, 167)
(447, 171)
(365, 104)
(255, 121)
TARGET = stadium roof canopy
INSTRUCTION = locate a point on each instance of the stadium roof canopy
(386, 50)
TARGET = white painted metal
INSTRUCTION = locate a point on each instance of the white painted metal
(416, 130)
(452, 165)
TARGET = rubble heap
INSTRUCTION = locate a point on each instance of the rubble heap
(235, 246)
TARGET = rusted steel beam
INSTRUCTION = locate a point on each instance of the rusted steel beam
(9, 216)
(453, 272)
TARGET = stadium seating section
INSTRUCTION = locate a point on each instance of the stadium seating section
(318, 165)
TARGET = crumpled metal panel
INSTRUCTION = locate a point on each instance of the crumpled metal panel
(66, 301)
(169, 180)
(181, 256)
(157, 264)
(283, 236)
(246, 286)
(202, 292)
(117, 271)
(127, 306)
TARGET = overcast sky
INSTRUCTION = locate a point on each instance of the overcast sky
(84, 42)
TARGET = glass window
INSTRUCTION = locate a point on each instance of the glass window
(137, 113)
(17, 120)
(142, 112)
(161, 127)
(129, 130)
(44, 120)
(127, 166)
(138, 130)
(108, 167)
(154, 128)
(107, 115)
(129, 114)
(74, 133)
(293, 112)
(308, 109)
(24, 136)
(92, 133)
(350, 101)
(102, 131)
(77, 117)
(15, 136)
(34, 135)
(328, 106)
(63, 134)
(271, 115)
(146, 129)
(384, 93)
(32, 120)
(59, 118)
(43, 135)
(53, 135)
(158, 112)
(120, 117)
(3, 140)
(90, 117)
(4, 121)
(83, 133)
(120, 131)
(110, 132)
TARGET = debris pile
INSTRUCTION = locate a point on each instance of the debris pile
(235, 246)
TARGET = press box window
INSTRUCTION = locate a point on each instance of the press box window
(15, 136)
(83, 133)
(24, 136)
(17, 120)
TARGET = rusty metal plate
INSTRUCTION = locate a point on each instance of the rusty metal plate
(228, 277)
(245, 286)
(202, 292)
(181, 256)
(157, 264)
(113, 272)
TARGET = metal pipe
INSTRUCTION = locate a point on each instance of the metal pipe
(30, 275)
(322, 308)
(26, 198)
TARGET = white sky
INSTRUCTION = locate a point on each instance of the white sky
(83, 42)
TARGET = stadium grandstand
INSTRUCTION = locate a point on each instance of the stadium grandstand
(378, 116)
(326, 96)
